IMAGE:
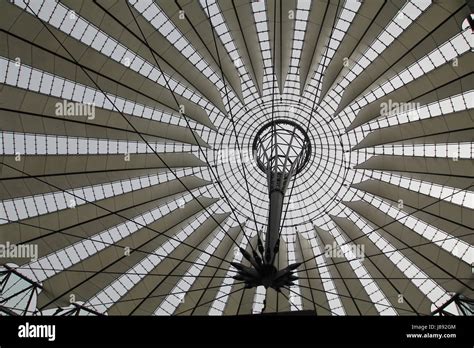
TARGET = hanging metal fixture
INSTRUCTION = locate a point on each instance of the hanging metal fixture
(281, 149)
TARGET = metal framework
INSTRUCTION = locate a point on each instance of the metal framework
(17, 292)
(463, 304)
(281, 149)
(132, 209)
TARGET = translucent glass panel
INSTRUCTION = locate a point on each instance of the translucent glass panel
(261, 23)
(25, 77)
(260, 295)
(338, 33)
(452, 151)
(451, 244)
(64, 19)
(38, 144)
(213, 12)
(331, 293)
(295, 293)
(402, 20)
(218, 306)
(442, 193)
(426, 285)
(158, 19)
(446, 106)
(451, 49)
(54, 263)
(372, 289)
(16, 293)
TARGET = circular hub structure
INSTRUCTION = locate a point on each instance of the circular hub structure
(281, 147)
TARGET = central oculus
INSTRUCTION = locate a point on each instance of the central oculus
(281, 149)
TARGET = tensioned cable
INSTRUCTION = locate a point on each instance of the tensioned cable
(408, 246)
(232, 122)
(106, 243)
(310, 117)
(135, 130)
(185, 117)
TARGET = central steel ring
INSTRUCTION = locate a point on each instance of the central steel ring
(281, 146)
